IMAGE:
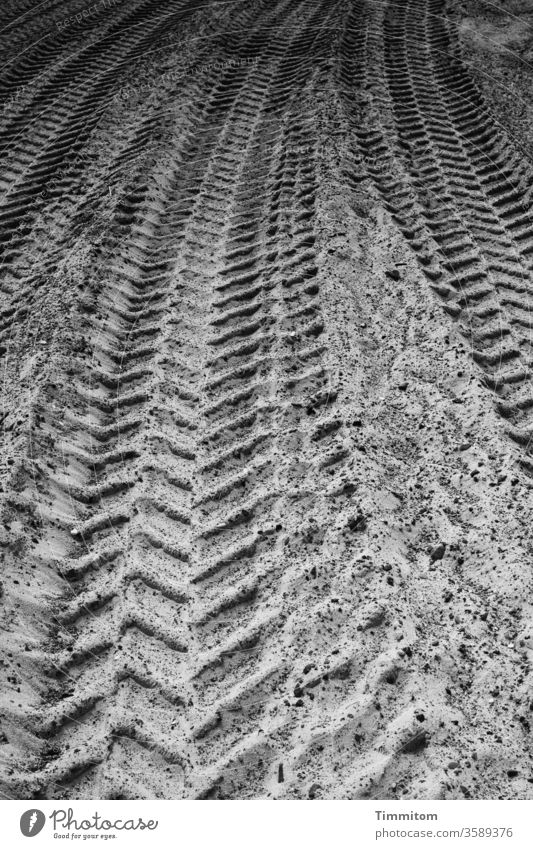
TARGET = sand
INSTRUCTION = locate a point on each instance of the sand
(266, 400)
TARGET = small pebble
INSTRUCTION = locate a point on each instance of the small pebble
(438, 552)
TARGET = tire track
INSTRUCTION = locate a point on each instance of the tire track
(457, 189)
(46, 215)
(108, 641)
(267, 365)
(90, 80)
(131, 449)
(48, 158)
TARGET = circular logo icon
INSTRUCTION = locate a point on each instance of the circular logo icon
(32, 822)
